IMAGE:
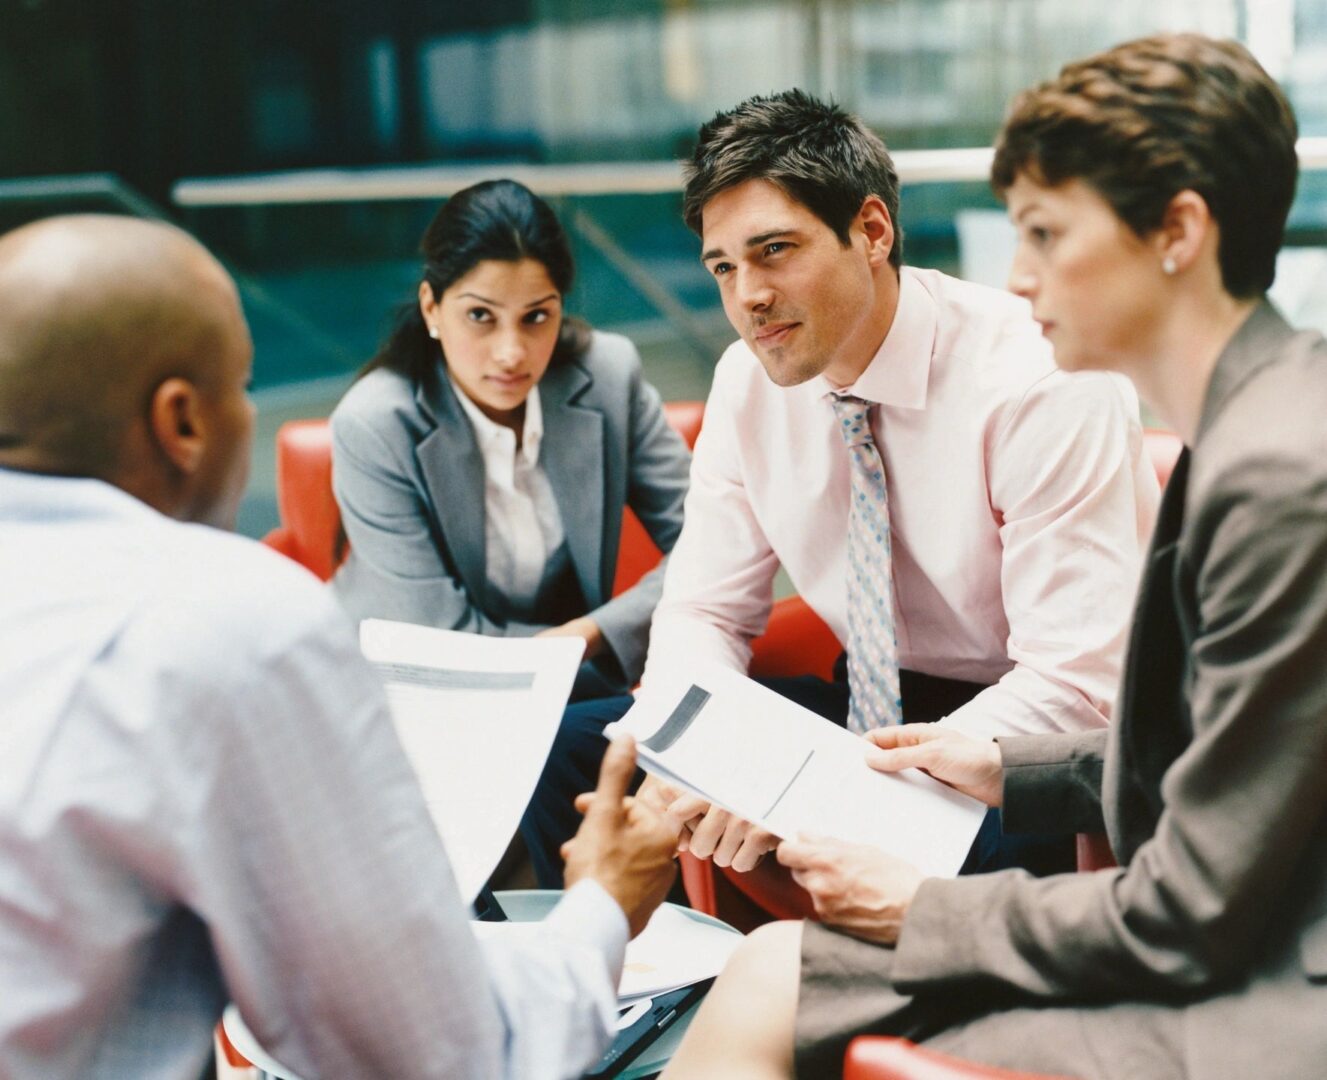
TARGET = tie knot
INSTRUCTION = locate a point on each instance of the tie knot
(853, 414)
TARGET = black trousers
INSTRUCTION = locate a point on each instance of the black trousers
(573, 767)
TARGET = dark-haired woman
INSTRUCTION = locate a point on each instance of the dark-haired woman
(483, 460)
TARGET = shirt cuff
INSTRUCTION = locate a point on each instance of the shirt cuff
(587, 913)
(1052, 783)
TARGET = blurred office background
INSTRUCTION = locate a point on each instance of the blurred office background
(310, 143)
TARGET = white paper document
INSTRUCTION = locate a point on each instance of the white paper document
(476, 716)
(675, 949)
(745, 748)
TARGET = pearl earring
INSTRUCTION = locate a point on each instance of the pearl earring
(1168, 265)
(433, 330)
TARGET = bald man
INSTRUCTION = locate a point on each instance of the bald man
(202, 797)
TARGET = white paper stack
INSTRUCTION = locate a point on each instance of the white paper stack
(675, 949)
(747, 749)
(476, 717)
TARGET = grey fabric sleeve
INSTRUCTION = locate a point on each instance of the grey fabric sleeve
(1239, 841)
(1052, 783)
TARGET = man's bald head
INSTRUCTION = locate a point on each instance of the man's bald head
(97, 315)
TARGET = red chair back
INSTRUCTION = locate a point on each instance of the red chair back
(637, 553)
(310, 518)
(796, 641)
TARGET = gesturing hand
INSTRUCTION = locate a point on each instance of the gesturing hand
(856, 888)
(661, 796)
(623, 844)
(967, 765)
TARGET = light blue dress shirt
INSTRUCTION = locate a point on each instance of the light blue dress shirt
(202, 797)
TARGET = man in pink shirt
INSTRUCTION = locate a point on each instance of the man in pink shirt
(1016, 499)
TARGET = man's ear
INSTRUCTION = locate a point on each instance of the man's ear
(878, 228)
(177, 424)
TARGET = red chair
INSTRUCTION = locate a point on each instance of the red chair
(226, 1051)
(875, 1057)
(311, 520)
(637, 553)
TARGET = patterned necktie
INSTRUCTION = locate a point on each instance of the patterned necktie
(872, 642)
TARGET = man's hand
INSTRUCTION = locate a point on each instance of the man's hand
(582, 627)
(967, 765)
(622, 844)
(855, 888)
(659, 796)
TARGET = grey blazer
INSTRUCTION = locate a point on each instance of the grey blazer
(409, 479)
(1213, 779)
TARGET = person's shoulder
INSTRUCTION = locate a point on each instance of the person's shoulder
(234, 596)
(609, 351)
(989, 331)
(240, 644)
(1006, 358)
(1269, 441)
(378, 397)
(611, 361)
(966, 305)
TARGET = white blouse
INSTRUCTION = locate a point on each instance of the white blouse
(522, 524)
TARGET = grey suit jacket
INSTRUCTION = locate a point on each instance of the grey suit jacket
(1213, 780)
(409, 478)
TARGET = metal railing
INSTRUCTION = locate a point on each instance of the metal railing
(103, 186)
(968, 164)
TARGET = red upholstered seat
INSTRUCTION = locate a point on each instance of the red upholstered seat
(310, 518)
(637, 554)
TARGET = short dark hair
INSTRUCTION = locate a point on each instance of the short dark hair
(499, 220)
(1146, 120)
(819, 154)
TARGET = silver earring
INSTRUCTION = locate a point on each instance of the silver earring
(1168, 265)
(433, 330)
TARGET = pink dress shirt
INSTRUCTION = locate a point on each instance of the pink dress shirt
(1020, 497)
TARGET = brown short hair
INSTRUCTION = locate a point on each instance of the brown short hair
(819, 154)
(1146, 120)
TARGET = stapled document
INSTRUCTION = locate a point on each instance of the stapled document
(745, 748)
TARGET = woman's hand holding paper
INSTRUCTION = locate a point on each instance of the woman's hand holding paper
(856, 888)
